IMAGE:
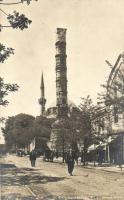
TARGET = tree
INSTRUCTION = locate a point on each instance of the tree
(8, 132)
(64, 133)
(18, 130)
(15, 21)
(23, 129)
(61, 135)
(5, 89)
(73, 125)
(90, 119)
(5, 52)
(42, 131)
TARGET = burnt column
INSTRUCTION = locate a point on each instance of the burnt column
(61, 74)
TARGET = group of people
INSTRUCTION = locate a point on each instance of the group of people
(70, 160)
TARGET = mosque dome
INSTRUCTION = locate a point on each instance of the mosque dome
(52, 110)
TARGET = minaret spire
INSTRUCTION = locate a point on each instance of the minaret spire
(42, 100)
(42, 86)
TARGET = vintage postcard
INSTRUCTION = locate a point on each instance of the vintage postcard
(61, 99)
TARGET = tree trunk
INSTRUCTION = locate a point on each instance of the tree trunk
(94, 158)
(94, 155)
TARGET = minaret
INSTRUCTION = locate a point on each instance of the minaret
(42, 100)
(61, 74)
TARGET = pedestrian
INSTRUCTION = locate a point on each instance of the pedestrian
(120, 164)
(52, 156)
(70, 162)
(33, 157)
(82, 157)
(120, 160)
(57, 154)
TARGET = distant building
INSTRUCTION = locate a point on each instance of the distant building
(52, 111)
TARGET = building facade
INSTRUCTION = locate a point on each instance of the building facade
(115, 103)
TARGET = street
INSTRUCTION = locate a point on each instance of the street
(20, 181)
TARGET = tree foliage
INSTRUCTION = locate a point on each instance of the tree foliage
(81, 128)
(90, 121)
(8, 132)
(18, 130)
(5, 89)
(42, 131)
(42, 127)
(5, 52)
(21, 129)
(18, 21)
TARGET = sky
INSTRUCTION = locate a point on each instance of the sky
(95, 33)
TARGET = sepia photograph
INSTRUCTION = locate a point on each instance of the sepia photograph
(61, 99)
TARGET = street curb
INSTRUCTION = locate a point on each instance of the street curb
(95, 168)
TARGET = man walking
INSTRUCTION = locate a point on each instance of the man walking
(32, 158)
(70, 162)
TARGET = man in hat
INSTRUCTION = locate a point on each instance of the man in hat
(70, 162)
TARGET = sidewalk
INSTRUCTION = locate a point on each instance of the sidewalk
(104, 167)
